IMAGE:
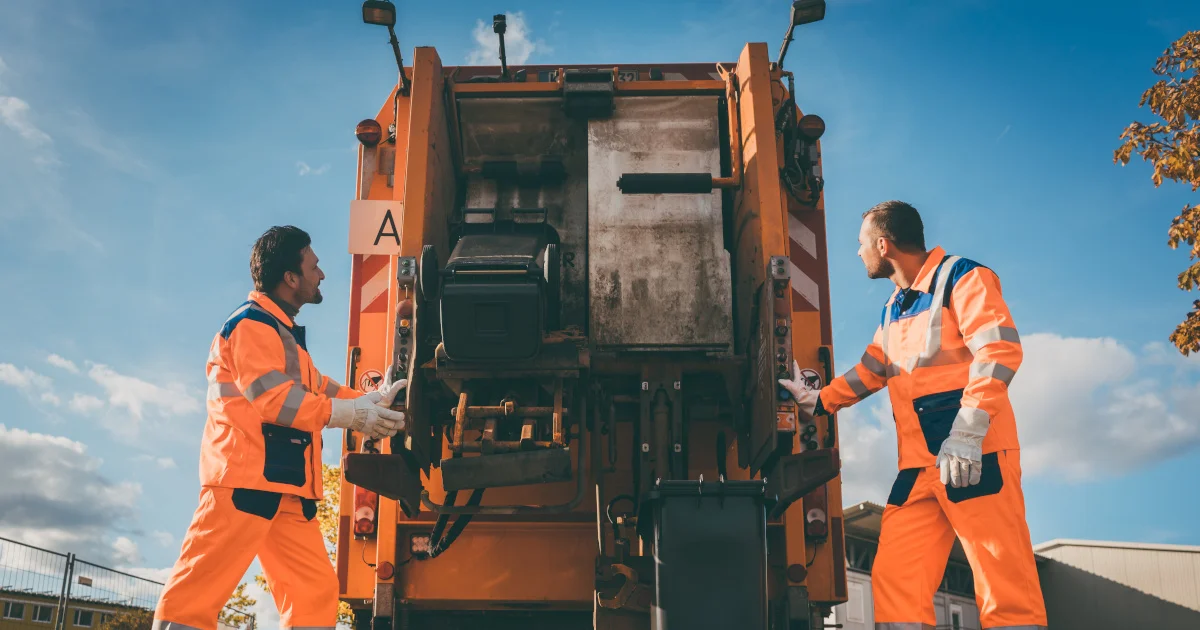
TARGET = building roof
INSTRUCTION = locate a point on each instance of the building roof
(1067, 542)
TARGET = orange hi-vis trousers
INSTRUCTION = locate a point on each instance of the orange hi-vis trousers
(919, 526)
(229, 528)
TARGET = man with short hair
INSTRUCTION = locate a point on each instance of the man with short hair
(946, 349)
(260, 459)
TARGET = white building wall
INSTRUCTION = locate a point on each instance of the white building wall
(858, 613)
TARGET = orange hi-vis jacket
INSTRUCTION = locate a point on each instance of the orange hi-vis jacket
(267, 405)
(946, 349)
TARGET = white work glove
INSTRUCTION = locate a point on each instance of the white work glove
(369, 413)
(806, 399)
(960, 459)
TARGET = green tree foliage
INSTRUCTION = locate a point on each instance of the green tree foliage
(237, 608)
(1172, 146)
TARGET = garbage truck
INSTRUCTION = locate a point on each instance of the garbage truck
(592, 278)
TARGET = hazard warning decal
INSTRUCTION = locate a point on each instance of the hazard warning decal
(369, 381)
(810, 378)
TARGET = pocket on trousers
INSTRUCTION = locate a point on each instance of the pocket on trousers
(257, 502)
(991, 481)
(936, 413)
(903, 486)
(285, 459)
(309, 508)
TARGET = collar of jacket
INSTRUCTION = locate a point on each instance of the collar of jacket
(924, 280)
(263, 300)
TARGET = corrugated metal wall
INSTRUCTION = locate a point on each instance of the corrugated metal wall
(1095, 586)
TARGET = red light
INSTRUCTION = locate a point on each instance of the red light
(816, 529)
(385, 570)
(369, 132)
(404, 309)
(812, 126)
(366, 504)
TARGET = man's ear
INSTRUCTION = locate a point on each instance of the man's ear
(291, 279)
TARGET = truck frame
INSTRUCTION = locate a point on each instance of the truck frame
(592, 278)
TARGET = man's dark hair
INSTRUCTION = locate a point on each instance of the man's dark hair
(899, 223)
(278, 251)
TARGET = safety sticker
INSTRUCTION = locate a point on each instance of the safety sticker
(810, 378)
(369, 381)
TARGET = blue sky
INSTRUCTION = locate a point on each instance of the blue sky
(145, 146)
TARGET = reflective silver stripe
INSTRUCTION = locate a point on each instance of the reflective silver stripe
(995, 370)
(972, 420)
(856, 384)
(291, 350)
(159, 624)
(217, 391)
(265, 383)
(904, 625)
(875, 366)
(933, 338)
(992, 335)
(332, 388)
(291, 405)
(946, 357)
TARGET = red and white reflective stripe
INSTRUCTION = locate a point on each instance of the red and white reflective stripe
(373, 293)
(805, 266)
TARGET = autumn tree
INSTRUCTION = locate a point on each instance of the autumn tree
(327, 517)
(131, 619)
(235, 611)
(1173, 148)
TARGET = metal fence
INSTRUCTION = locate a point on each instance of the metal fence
(47, 590)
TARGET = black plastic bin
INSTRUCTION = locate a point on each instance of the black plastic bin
(710, 552)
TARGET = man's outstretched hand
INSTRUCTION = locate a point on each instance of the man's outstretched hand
(806, 399)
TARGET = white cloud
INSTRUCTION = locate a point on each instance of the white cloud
(166, 539)
(60, 362)
(164, 463)
(14, 112)
(24, 378)
(1090, 406)
(1085, 408)
(157, 575)
(125, 551)
(304, 169)
(52, 495)
(52, 398)
(518, 45)
(138, 395)
(84, 403)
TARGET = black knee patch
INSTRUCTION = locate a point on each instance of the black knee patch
(903, 486)
(257, 502)
(991, 480)
(309, 507)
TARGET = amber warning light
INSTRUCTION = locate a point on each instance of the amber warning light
(369, 132)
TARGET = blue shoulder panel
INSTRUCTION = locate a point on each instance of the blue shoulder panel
(246, 313)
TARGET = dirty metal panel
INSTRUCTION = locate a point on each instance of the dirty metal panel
(660, 275)
(531, 130)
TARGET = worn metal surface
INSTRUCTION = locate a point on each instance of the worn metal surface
(528, 131)
(660, 276)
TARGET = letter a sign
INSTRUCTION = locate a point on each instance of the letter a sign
(375, 226)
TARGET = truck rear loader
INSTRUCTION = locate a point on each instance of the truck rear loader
(592, 278)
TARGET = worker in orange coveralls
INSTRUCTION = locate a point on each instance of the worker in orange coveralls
(260, 460)
(946, 349)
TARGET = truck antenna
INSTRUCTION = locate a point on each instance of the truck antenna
(498, 27)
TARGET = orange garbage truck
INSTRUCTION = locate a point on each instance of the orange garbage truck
(592, 278)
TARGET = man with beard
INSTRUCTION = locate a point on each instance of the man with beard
(260, 459)
(946, 349)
